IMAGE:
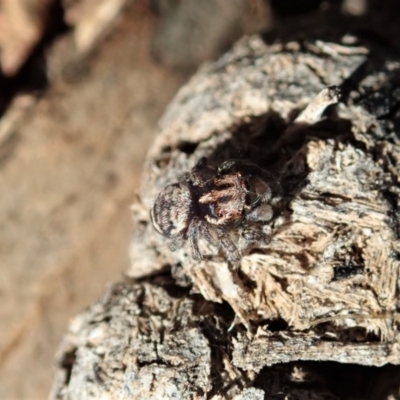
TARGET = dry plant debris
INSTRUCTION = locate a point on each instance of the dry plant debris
(325, 287)
(22, 25)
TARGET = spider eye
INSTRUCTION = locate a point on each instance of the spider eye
(215, 212)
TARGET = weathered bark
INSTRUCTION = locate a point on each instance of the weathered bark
(325, 288)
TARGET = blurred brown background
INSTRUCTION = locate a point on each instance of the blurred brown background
(82, 85)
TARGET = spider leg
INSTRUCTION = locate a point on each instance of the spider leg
(262, 213)
(262, 180)
(192, 236)
(245, 166)
(227, 166)
(205, 232)
(177, 242)
(254, 235)
(261, 188)
(201, 173)
(252, 200)
(201, 163)
(230, 249)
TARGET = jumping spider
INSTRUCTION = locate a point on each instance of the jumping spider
(214, 204)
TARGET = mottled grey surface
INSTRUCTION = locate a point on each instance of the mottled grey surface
(325, 287)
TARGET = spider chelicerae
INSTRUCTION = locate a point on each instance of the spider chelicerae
(217, 204)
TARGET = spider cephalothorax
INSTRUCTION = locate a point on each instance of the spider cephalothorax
(214, 203)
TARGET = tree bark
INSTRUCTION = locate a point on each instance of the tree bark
(325, 287)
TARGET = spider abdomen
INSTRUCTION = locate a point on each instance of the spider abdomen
(173, 209)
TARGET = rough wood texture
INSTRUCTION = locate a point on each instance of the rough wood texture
(326, 286)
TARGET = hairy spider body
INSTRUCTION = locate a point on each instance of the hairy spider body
(225, 200)
(172, 212)
(212, 203)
